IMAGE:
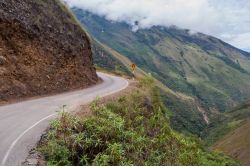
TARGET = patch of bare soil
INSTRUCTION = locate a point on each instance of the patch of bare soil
(42, 50)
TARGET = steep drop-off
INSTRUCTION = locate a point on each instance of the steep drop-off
(105, 61)
(214, 73)
(42, 50)
(230, 133)
(207, 68)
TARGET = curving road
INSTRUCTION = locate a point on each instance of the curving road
(22, 124)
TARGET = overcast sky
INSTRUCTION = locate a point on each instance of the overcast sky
(228, 20)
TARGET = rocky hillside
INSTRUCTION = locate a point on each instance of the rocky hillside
(42, 50)
(104, 60)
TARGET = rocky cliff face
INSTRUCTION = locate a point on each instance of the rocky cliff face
(42, 50)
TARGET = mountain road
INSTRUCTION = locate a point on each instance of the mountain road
(22, 124)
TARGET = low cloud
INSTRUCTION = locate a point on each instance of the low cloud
(228, 20)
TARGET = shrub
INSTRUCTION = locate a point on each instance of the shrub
(133, 130)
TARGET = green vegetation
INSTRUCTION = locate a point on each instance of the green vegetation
(132, 130)
(184, 116)
(223, 124)
(204, 67)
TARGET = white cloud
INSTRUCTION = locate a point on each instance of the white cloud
(241, 40)
(215, 17)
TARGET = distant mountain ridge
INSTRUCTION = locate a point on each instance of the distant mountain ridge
(205, 41)
(215, 72)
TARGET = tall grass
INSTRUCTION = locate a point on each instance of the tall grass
(133, 130)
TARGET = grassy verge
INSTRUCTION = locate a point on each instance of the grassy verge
(133, 130)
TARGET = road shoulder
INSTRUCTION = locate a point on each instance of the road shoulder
(37, 159)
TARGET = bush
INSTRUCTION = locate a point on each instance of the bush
(134, 130)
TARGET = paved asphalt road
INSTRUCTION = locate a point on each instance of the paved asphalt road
(22, 124)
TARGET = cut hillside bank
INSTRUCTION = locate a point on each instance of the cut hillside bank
(42, 50)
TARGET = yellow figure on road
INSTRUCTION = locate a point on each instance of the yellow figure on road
(133, 66)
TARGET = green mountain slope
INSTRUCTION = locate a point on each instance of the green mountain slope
(230, 133)
(105, 60)
(198, 65)
(236, 144)
(185, 112)
(224, 123)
